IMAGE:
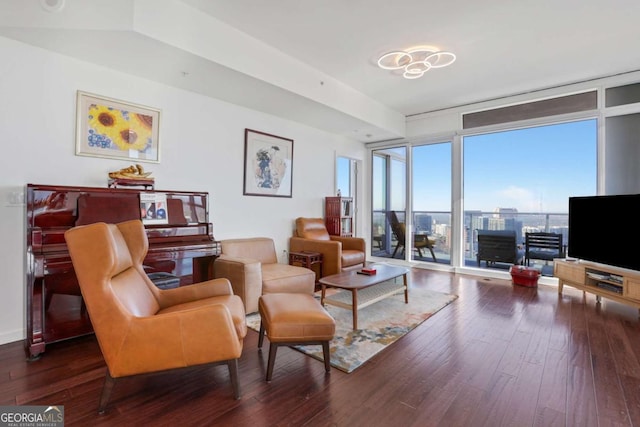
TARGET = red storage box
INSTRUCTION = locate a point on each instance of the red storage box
(524, 276)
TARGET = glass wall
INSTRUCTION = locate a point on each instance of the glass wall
(511, 169)
(431, 202)
(517, 180)
(389, 178)
(425, 233)
(521, 180)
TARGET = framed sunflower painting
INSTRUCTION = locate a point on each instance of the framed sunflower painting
(116, 129)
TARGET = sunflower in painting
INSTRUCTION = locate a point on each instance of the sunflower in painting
(141, 125)
(104, 120)
(132, 134)
(113, 128)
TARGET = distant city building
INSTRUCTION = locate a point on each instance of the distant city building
(505, 213)
(424, 223)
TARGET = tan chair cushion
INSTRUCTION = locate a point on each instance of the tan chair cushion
(312, 228)
(235, 306)
(252, 267)
(351, 258)
(295, 318)
(278, 278)
(258, 248)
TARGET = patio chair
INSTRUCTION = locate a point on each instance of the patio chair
(420, 241)
(543, 246)
(498, 246)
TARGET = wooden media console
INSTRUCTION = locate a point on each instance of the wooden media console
(614, 283)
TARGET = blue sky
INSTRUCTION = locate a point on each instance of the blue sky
(532, 170)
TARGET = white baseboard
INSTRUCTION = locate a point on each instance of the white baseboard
(12, 336)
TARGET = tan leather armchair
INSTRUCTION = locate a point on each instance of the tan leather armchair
(251, 265)
(143, 329)
(339, 253)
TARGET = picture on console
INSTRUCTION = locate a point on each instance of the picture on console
(153, 208)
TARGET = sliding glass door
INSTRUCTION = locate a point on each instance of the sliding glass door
(431, 201)
(389, 173)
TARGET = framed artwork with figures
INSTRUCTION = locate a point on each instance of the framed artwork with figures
(268, 164)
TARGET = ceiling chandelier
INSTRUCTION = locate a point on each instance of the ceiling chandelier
(415, 62)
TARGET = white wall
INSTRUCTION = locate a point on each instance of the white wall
(202, 148)
(621, 154)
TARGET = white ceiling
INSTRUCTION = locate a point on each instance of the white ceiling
(315, 61)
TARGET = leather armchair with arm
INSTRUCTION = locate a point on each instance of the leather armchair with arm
(251, 265)
(141, 328)
(339, 253)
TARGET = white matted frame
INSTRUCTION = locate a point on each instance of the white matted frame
(111, 128)
(268, 164)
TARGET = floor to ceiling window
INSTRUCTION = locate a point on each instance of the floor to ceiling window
(424, 233)
(508, 169)
(389, 178)
(521, 180)
(431, 202)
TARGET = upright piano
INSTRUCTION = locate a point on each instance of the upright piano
(181, 246)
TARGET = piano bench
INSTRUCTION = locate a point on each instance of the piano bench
(164, 280)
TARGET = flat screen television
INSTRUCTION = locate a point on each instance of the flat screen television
(605, 229)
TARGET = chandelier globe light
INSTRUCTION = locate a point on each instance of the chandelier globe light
(415, 62)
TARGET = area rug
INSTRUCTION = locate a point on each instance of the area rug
(380, 325)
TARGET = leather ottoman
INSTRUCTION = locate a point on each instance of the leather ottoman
(294, 319)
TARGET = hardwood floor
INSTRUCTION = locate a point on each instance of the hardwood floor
(500, 355)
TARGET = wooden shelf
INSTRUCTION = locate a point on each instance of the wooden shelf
(609, 282)
(338, 213)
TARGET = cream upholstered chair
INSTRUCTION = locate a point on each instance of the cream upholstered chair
(339, 253)
(251, 265)
(143, 329)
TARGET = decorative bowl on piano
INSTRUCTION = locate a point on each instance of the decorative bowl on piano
(132, 172)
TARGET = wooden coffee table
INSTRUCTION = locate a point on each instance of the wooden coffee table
(365, 290)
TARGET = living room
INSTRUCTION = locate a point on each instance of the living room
(201, 148)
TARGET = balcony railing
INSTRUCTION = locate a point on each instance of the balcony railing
(437, 225)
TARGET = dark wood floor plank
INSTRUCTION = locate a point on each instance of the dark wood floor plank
(525, 395)
(610, 400)
(561, 330)
(631, 388)
(462, 409)
(553, 387)
(495, 402)
(581, 399)
(499, 355)
(579, 348)
(540, 336)
(622, 349)
(481, 371)
(547, 417)
(515, 353)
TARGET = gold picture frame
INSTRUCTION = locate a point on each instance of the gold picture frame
(268, 164)
(115, 129)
